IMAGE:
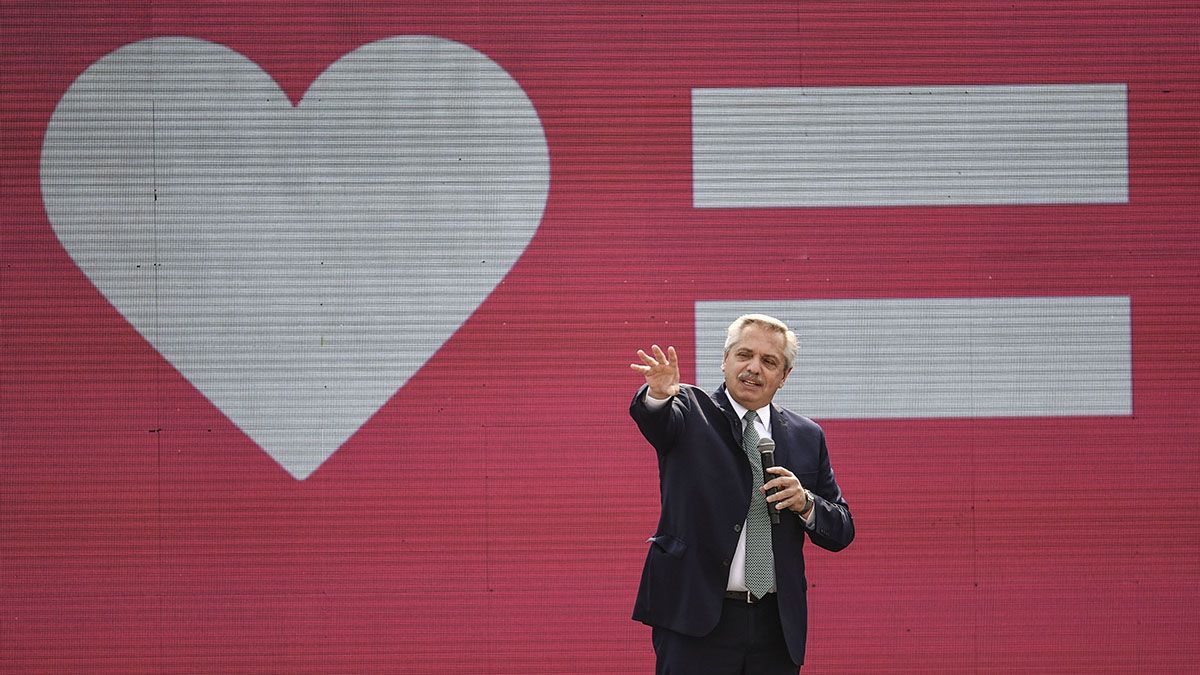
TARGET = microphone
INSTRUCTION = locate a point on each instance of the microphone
(766, 448)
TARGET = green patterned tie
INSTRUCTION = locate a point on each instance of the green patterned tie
(760, 561)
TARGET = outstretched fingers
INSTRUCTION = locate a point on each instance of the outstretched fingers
(669, 358)
(660, 359)
(661, 370)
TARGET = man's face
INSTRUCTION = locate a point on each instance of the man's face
(754, 367)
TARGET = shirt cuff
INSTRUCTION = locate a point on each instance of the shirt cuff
(654, 403)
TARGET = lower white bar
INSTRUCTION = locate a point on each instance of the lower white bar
(878, 146)
(937, 357)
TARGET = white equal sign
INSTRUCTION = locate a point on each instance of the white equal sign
(894, 146)
(942, 357)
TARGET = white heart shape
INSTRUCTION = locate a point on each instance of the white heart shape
(296, 264)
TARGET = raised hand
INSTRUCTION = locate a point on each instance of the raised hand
(661, 371)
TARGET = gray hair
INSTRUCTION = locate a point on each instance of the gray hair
(791, 344)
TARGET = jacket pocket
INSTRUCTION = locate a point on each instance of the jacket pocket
(672, 546)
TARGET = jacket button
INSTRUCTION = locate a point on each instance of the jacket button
(737, 528)
(725, 562)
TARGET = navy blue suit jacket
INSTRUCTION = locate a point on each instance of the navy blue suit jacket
(704, 482)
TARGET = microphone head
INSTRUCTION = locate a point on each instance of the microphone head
(766, 445)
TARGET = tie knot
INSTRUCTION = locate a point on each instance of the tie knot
(748, 424)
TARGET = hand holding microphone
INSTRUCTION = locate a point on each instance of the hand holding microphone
(766, 449)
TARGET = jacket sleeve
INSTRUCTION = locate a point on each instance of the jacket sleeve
(833, 527)
(661, 426)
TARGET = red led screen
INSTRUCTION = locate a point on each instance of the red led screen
(317, 317)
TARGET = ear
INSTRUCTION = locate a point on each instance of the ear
(785, 377)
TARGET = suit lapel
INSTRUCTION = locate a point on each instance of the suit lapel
(735, 424)
(779, 434)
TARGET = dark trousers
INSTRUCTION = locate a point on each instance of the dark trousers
(748, 640)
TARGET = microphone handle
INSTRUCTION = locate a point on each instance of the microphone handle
(768, 461)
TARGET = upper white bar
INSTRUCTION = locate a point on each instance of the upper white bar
(883, 146)
(943, 357)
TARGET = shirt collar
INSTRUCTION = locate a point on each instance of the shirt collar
(764, 413)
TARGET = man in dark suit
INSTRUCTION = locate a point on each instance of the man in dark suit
(724, 588)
